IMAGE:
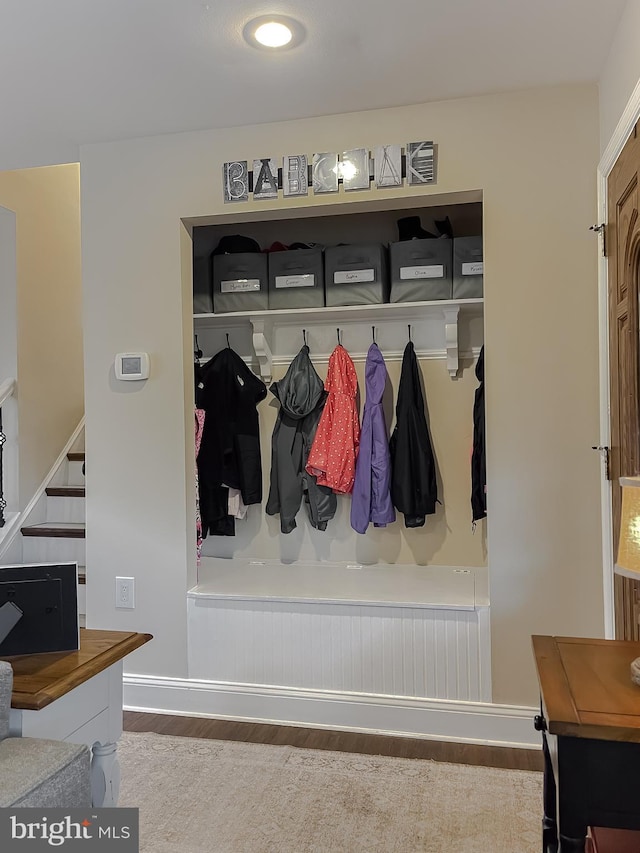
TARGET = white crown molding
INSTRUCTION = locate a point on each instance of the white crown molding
(398, 716)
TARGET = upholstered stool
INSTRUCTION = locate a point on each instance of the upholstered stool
(39, 773)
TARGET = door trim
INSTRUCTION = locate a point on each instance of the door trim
(623, 130)
(605, 432)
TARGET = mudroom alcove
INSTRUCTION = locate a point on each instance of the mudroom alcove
(394, 612)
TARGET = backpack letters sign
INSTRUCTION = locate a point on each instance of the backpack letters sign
(324, 172)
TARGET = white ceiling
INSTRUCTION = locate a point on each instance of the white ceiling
(75, 71)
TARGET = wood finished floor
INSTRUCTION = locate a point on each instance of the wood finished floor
(457, 753)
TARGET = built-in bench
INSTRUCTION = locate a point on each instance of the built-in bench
(394, 630)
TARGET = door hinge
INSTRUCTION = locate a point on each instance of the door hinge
(605, 456)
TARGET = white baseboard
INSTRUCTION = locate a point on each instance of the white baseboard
(432, 719)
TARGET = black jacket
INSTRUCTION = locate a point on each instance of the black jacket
(302, 397)
(478, 458)
(413, 477)
(230, 449)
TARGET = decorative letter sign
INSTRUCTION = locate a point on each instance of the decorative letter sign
(294, 175)
(352, 169)
(325, 173)
(388, 166)
(266, 184)
(236, 181)
(420, 163)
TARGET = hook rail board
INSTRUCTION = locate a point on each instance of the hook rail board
(434, 326)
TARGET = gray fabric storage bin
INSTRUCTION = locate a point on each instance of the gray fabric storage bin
(296, 279)
(202, 285)
(356, 275)
(421, 270)
(240, 282)
(468, 268)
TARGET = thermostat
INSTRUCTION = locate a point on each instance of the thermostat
(132, 365)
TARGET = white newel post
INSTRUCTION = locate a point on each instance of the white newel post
(105, 775)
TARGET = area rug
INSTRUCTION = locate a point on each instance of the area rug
(212, 796)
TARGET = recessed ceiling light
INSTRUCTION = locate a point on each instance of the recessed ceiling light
(273, 32)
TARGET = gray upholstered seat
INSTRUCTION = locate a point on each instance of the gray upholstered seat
(36, 772)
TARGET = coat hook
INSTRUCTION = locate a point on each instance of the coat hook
(228, 344)
(338, 335)
(304, 336)
(409, 327)
(373, 333)
(196, 349)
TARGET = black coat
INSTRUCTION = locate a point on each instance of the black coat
(478, 457)
(413, 476)
(230, 448)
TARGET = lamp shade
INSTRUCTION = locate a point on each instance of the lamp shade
(628, 562)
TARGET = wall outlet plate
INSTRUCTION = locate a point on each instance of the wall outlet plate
(125, 593)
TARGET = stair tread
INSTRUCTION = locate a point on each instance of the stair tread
(66, 491)
(61, 529)
(75, 456)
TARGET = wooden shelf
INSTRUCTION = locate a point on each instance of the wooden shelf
(443, 315)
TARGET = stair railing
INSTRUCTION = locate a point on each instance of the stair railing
(6, 390)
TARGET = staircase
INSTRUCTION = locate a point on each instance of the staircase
(60, 536)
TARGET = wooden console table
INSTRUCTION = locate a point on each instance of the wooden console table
(77, 696)
(590, 724)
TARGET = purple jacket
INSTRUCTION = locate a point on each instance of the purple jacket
(371, 499)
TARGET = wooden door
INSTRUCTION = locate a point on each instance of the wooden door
(622, 237)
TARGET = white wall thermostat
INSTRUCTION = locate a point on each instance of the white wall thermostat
(132, 365)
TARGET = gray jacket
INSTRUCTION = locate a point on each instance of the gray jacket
(302, 397)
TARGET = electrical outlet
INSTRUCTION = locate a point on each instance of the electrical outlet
(125, 593)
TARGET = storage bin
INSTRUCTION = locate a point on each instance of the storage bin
(240, 282)
(468, 268)
(421, 270)
(296, 279)
(356, 275)
(202, 285)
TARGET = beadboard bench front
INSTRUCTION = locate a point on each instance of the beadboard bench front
(390, 630)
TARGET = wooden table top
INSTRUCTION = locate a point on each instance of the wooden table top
(39, 680)
(586, 687)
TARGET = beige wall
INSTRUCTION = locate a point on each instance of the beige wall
(46, 202)
(533, 155)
